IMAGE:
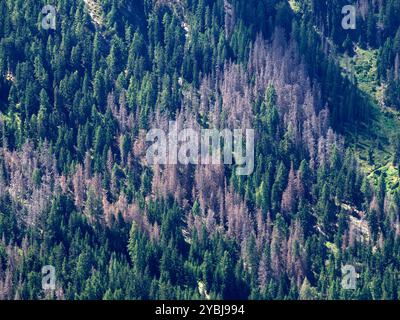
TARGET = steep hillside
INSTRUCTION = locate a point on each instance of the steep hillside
(374, 144)
(304, 181)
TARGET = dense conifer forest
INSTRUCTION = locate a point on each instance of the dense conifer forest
(76, 192)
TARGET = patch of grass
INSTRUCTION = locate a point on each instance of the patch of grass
(294, 5)
(372, 143)
(332, 247)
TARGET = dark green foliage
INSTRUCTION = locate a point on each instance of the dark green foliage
(74, 102)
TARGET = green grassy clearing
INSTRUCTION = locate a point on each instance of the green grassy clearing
(371, 143)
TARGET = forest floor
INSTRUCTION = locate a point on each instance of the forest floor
(95, 11)
(294, 5)
(372, 142)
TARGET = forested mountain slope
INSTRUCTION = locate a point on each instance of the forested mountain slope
(76, 192)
